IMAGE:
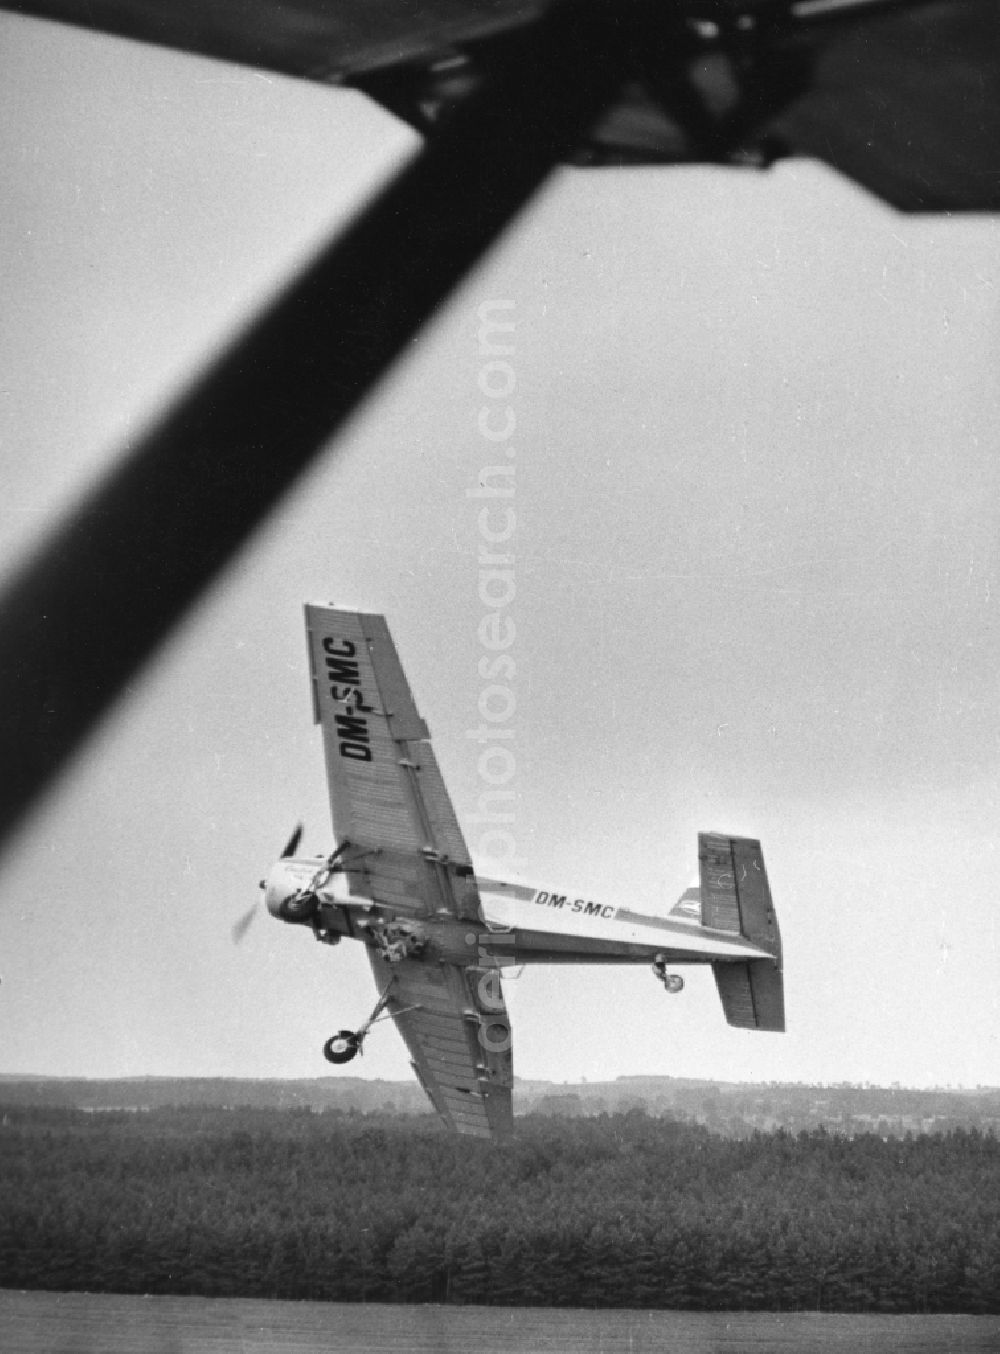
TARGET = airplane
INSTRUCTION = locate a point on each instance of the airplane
(400, 880)
(901, 96)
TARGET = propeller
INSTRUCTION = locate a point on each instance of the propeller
(241, 927)
(292, 845)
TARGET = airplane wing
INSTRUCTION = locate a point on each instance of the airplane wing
(311, 39)
(454, 1023)
(400, 845)
(396, 831)
(903, 96)
(906, 103)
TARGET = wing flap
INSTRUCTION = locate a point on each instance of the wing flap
(440, 812)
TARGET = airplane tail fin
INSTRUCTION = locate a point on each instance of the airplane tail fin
(735, 897)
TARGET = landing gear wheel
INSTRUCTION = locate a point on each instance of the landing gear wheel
(673, 982)
(342, 1047)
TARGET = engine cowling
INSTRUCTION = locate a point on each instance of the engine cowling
(288, 894)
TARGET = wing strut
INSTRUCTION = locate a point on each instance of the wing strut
(379, 1011)
(112, 580)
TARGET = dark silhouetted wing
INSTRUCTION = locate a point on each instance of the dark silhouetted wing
(324, 40)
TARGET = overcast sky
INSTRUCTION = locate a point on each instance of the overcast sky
(756, 488)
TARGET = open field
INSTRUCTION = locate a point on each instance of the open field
(87, 1323)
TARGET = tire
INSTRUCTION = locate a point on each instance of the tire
(674, 983)
(341, 1047)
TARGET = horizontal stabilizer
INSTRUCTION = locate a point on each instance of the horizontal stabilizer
(752, 994)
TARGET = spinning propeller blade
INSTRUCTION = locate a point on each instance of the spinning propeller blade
(292, 845)
(245, 922)
(241, 927)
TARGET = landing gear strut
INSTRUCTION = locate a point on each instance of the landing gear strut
(672, 982)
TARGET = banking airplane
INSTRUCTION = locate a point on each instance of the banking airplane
(400, 880)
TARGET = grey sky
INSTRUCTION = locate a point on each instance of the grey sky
(755, 564)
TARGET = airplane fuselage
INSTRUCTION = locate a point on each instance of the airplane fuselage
(518, 924)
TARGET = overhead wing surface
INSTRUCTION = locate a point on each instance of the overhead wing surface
(454, 1023)
(903, 96)
(907, 103)
(323, 40)
(393, 819)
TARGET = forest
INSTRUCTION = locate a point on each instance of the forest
(620, 1210)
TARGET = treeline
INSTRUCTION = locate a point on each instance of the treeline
(622, 1210)
(318, 1093)
(735, 1109)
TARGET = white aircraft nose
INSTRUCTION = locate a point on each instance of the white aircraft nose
(284, 879)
